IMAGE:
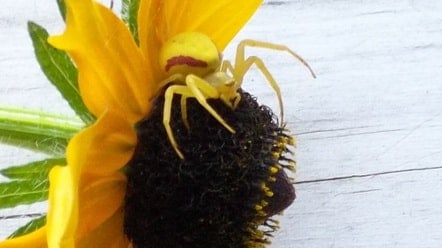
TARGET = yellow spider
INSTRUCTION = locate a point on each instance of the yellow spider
(194, 68)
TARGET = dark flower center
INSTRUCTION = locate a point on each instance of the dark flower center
(225, 191)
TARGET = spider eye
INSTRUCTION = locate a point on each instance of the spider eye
(189, 53)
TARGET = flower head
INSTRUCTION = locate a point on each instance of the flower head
(224, 195)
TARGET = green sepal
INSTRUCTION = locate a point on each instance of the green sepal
(129, 14)
(29, 227)
(59, 69)
(62, 8)
(27, 183)
(37, 131)
(38, 170)
(20, 192)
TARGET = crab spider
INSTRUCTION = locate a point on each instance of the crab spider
(194, 69)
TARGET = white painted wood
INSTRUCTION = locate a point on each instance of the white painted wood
(369, 127)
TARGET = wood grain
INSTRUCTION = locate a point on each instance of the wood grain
(369, 127)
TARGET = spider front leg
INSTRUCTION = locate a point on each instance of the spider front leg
(242, 65)
(241, 69)
(183, 104)
(203, 90)
(240, 52)
(167, 110)
(197, 88)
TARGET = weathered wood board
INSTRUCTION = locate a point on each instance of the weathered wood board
(369, 127)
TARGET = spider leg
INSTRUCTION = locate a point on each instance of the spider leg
(202, 90)
(242, 65)
(173, 78)
(245, 66)
(226, 66)
(260, 44)
(184, 112)
(167, 110)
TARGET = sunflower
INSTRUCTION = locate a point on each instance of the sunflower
(91, 200)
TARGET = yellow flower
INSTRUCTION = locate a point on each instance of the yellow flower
(118, 83)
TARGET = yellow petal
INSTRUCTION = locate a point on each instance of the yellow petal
(113, 73)
(98, 151)
(103, 148)
(62, 215)
(109, 235)
(220, 20)
(150, 43)
(35, 239)
(99, 200)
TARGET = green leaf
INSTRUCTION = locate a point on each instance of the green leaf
(38, 143)
(59, 69)
(129, 13)
(21, 192)
(29, 227)
(27, 187)
(38, 170)
(62, 8)
(37, 131)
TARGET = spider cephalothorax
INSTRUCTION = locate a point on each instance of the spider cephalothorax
(194, 69)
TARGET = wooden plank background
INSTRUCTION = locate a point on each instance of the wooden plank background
(369, 127)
